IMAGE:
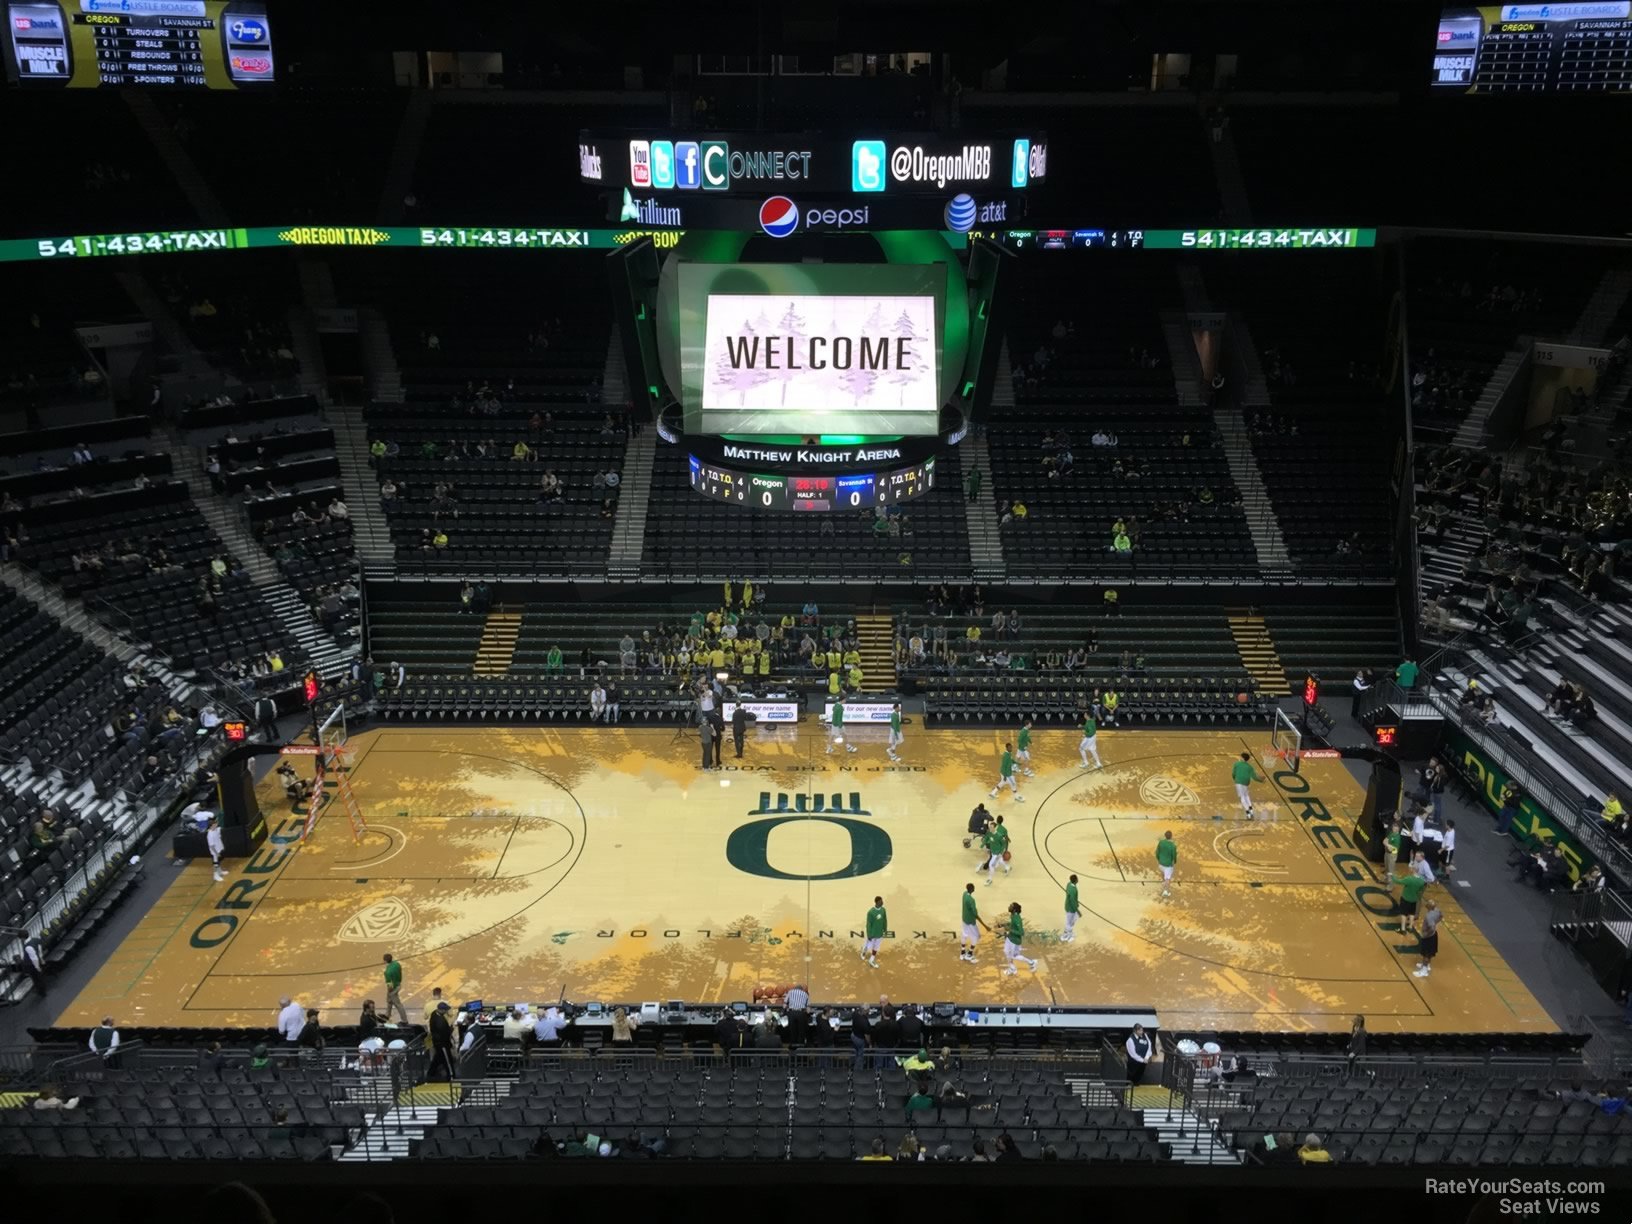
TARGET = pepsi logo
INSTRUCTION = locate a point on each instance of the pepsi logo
(779, 216)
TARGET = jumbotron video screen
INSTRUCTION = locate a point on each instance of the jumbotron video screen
(812, 348)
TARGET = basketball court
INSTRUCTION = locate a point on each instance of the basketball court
(512, 864)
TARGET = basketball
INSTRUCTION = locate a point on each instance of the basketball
(1242, 699)
(1007, 856)
(967, 842)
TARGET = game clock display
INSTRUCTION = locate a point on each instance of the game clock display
(796, 492)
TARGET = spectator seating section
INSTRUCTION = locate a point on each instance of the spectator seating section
(41, 360)
(289, 459)
(1330, 480)
(1334, 643)
(501, 524)
(137, 597)
(1499, 1119)
(1193, 672)
(1470, 558)
(539, 353)
(234, 307)
(1459, 334)
(753, 1110)
(1067, 528)
(282, 445)
(1329, 483)
(436, 643)
(61, 894)
(63, 693)
(1108, 372)
(160, 1115)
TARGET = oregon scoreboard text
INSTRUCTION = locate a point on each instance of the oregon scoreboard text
(804, 491)
(91, 44)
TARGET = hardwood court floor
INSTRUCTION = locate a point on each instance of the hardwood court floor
(512, 864)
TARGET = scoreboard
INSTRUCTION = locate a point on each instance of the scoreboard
(1582, 47)
(89, 44)
(797, 492)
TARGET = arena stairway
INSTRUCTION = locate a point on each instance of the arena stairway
(985, 540)
(228, 521)
(1470, 434)
(497, 648)
(1445, 561)
(1258, 654)
(1190, 1140)
(396, 1132)
(875, 642)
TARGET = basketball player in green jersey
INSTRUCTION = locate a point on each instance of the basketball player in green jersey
(877, 923)
(972, 922)
(1073, 910)
(1022, 748)
(996, 842)
(1088, 745)
(1014, 934)
(1006, 775)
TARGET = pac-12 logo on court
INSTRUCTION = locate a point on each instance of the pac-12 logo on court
(748, 847)
(387, 919)
(1161, 791)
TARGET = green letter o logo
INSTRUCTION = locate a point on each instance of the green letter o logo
(747, 848)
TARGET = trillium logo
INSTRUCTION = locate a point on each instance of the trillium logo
(779, 216)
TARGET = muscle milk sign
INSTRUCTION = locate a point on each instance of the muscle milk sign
(815, 352)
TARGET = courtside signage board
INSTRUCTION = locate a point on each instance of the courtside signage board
(860, 712)
(766, 711)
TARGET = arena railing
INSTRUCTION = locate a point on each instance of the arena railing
(21, 1067)
(1073, 1061)
(91, 1066)
(1559, 799)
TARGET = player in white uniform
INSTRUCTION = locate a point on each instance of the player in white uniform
(212, 839)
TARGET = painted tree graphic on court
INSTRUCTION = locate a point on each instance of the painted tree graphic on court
(904, 328)
(791, 326)
(857, 381)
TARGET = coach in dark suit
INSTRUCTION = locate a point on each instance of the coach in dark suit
(740, 718)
